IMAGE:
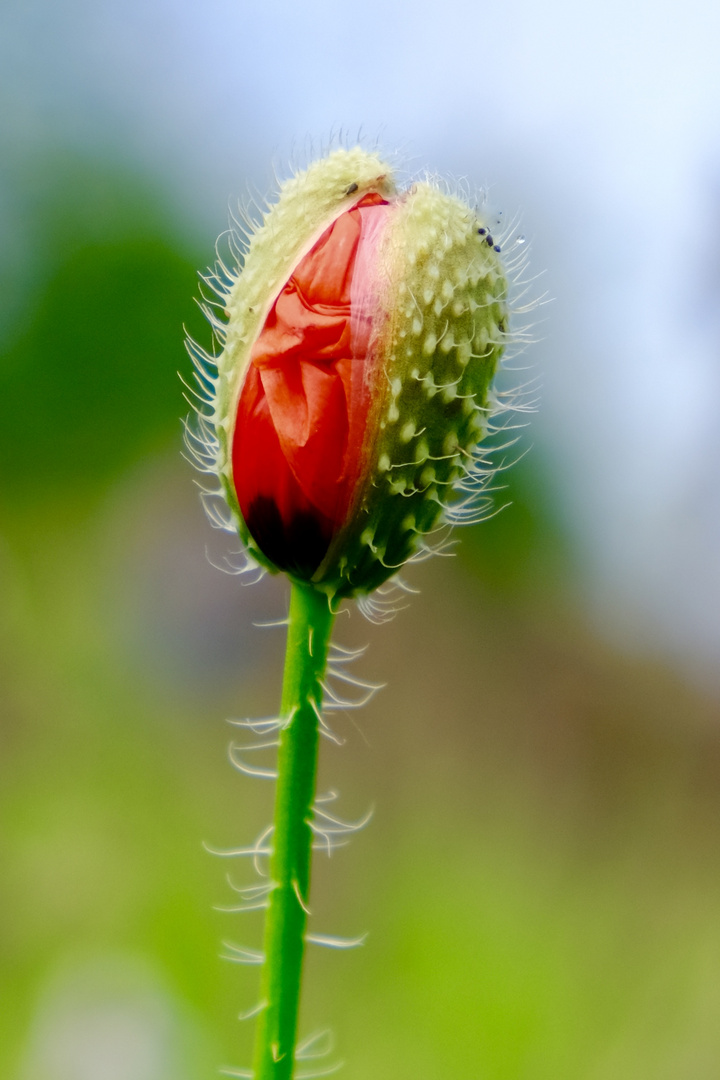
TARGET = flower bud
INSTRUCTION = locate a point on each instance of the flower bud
(353, 387)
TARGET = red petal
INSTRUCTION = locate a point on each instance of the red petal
(303, 408)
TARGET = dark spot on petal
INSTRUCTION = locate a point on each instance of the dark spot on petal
(489, 240)
(351, 189)
(481, 232)
(497, 247)
(298, 545)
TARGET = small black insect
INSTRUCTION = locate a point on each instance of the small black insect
(351, 190)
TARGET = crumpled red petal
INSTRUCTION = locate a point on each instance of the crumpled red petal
(303, 408)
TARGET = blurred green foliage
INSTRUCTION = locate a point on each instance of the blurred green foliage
(522, 546)
(89, 360)
(540, 882)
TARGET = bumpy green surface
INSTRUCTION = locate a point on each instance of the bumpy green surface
(445, 332)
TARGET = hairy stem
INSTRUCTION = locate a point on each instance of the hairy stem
(309, 628)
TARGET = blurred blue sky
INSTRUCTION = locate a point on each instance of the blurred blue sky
(600, 124)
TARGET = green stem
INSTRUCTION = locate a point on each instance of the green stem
(310, 624)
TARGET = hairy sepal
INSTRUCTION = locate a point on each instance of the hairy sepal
(441, 336)
(441, 329)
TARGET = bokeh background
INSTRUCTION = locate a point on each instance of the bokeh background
(541, 881)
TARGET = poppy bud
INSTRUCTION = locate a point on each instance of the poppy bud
(353, 387)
